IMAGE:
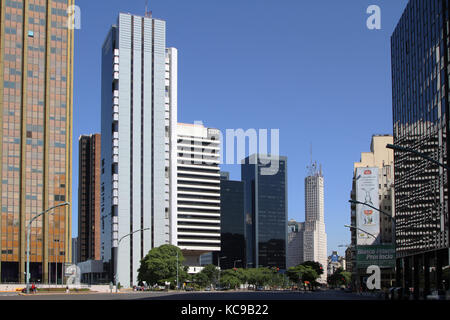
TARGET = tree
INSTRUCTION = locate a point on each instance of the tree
(211, 272)
(315, 265)
(229, 279)
(160, 266)
(339, 278)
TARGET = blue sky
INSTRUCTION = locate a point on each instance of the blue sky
(311, 69)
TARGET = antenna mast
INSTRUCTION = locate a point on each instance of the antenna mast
(148, 13)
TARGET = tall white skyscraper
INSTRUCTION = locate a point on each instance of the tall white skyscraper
(139, 110)
(315, 237)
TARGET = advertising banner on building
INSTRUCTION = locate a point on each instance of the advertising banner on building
(379, 255)
(367, 218)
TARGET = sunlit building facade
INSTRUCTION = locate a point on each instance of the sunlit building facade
(36, 62)
(420, 88)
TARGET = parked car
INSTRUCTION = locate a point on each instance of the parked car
(436, 295)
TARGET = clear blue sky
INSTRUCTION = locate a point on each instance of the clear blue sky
(311, 69)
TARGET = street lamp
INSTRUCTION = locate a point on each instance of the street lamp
(28, 239)
(417, 153)
(380, 211)
(115, 269)
(218, 264)
(353, 227)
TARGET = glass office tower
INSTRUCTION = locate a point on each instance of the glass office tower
(36, 61)
(420, 76)
(265, 210)
(232, 224)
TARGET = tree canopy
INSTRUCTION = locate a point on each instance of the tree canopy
(160, 266)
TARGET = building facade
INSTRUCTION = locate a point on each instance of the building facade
(420, 87)
(335, 262)
(315, 237)
(380, 159)
(139, 103)
(89, 197)
(36, 84)
(265, 179)
(232, 224)
(295, 243)
(198, 192)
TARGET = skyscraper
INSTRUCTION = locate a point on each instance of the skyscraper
(295, 243)
(265, 181)
(198, 191)
(36, 61)
(232, 223)
(420, 106)
(89, 197)
(139, 101)
(315, 237)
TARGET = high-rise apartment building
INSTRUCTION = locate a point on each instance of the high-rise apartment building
(265, 179)
(36, 83)
(89, 214)
(420, 88)
(295, 243)
(315, 237)
(198, 192)
(139, 103)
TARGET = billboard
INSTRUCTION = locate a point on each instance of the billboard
(367, 219)
(379, 255)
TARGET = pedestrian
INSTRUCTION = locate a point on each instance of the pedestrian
(33, 288)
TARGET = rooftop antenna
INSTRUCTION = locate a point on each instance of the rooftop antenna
(148, 13)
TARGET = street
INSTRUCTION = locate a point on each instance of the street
(211, 296)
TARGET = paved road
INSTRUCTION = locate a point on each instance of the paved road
(211, 296)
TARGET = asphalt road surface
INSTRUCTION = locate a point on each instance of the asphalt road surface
(210, 296)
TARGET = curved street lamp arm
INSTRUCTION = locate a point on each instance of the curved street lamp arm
(133, 233)
(366, 204)
(419, 154)
(353, 227)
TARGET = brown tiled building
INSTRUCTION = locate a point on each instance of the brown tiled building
(36, 83)
(89, 197)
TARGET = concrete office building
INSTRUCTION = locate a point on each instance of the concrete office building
(265, 179)
(198, 192)
(295, 243)
(315, 237)
(89, 197)
(139, 103)
(382, 158)
(36, 93)
(420, 108)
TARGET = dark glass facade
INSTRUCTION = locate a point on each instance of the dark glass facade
(420, 76)
(265, 211)
(232, 224)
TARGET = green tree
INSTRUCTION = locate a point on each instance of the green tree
(339, 278)
(229, 279)
(211, 272)
(160, 265)
(315, 265)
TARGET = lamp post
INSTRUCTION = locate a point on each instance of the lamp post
(115, 269)
(218, 264)
(353, 227)
(28, 239)
(382, 212)
(417, 153)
